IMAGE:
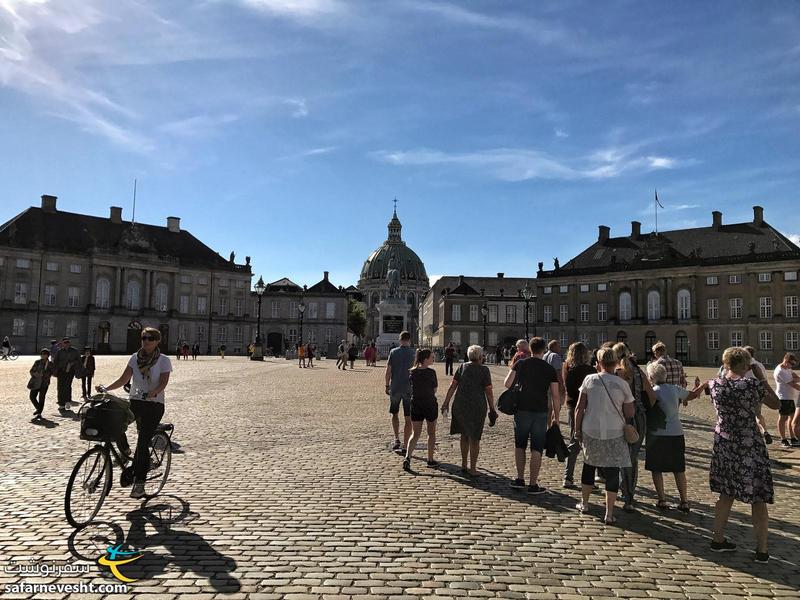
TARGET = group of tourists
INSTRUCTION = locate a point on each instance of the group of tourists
(182, 350)
(613, 407)
(66, 364)
(305, 355)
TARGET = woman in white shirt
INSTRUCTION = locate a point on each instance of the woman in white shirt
(604, 405)
(148, 372)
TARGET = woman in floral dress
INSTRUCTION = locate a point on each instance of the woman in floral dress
(739, 462)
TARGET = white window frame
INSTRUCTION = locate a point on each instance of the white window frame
(18, 327)
(736, 307)
(602, 312)
(186, 278)
(202, 280)
(133, 301)
(765, 339)
(712, 280)
(626, 307)
(48, 328)
(330, 310)
(275, 310)
(712, 308)
(51, 266)
(161, 297)
(455, 337)
(791, 340)
(50, 297)
(102, 292)
(23, 263)
(653, 305)
(712, 340)
(473, 312)
(791, 307)
(790, 276)
(547, 289)
(602, 287)
(455, 312)
(765, 307)
(492, 339)
(492, 313)
(222, 333)
(563, 289)
(313, 310)
(563, 313)
(584, 312)
(71, 328)
(474, 338)
(183, 304)
(20, 293)
(734, 279)
(202, 305)
(547, 313)
(684, 303)
(764, 277)
(237, 334)
(73, 297)
(238, 308)
(737, 338)
(74, 268)
(223, 306)
(584, 288)
(511, 313)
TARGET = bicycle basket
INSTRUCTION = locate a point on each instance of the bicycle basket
(103, 422)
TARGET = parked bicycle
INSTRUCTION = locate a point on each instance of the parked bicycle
(102, 420)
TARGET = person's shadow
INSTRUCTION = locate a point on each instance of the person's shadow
(43, 422)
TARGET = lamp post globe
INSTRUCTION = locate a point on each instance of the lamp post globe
(301, 308)
(258, 347)
(527, 295)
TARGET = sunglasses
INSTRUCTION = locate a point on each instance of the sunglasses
(149, 338)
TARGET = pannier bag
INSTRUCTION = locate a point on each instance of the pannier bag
(105, 420)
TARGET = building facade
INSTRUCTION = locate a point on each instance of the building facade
(699, 290)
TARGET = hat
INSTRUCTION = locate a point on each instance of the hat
(53, 341)
(43, 350)
(87, 347)
(65, 339)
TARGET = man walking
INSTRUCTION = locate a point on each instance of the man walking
(553, 358)
(788, 388)
(449, 354)
(65, 366)
(674, 367)
(398, 387)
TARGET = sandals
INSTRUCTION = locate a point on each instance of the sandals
(684, 507)
(611, 521)
(582, 508)
(433, 463)
(662, 505)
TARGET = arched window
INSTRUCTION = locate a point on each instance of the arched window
(684, 304)
(411, 300)
(622, 336)
(653, 305)
(102, 293)
(161, 297)
(625, 306)
(375, 299)
(133, 296)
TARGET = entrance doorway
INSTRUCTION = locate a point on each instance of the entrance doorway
(275, 343)
(682, 347)
(103, 338)
(134, 341)
(649, 342)
(163, 346)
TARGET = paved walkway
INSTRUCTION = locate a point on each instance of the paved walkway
(287, 489)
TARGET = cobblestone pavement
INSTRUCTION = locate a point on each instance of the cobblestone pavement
(287, 489)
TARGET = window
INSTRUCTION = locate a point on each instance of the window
(602, 338)
(602, 311)
(201, 332)
(48, 328)
(202, 280)
(712, 340)
(547, 290)
(132, 296)
(791, 340)
(625, 306)
(473, 337)
(712, 280)
(102, 293)
(51, 266)
(713, 308)
(455, 314)
(735, 305)
(222, 282)
(546, 335)
(455, 337)
(202, 305)
(584, 313)
(511, 313)
(492, 341)
(790, 306)
(765, 307)
(653, 305)
(563, 289)
(473, 312)
(21, 293)
(23, 263)
(790, 276)
(548, 313)
(734, 279)
(313, 310)
(49, 295)
(223, 305)
(493, 313)
(238, 308)
(602, 287)
(583, 338)
(737, 338)
(73, 297)
(584, 287)
(564, 340)
(183, 305)
(161, 297)
(18, 327)
(222, 333)
(186, 279)
(330, 310)
(563, 313)
(312, 336)
(240, 284)
(532, 312)
(764, 277)
(237, 334)
(276, 308)
(765, 340)
(684, 304)
(71, 329)
(329, 335)
(74, 268)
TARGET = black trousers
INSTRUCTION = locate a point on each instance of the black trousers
(148, 415)
(448, 366)
(86, 385)
(37, 398)
(611, 475)
(64, 388)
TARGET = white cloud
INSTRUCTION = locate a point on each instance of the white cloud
(433, 279)
(298, 9)
(197, 126)
(300, 109)
(795, 238)
(560, 133)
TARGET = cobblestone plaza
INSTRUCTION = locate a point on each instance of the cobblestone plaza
(284, 487)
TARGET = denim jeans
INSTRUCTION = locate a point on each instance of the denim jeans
(572, 457)
(530, 426)
(630, 475)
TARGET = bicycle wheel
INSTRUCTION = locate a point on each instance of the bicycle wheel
(13, 355)
(160, 462)
(88, 486)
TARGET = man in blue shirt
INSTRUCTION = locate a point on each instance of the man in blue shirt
(398, 387)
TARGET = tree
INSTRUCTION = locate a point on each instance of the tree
(356, 319)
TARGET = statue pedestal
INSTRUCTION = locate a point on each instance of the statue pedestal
(392, 320)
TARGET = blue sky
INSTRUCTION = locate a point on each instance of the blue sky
(283, 129)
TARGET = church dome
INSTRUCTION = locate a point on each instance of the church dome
(407, 262)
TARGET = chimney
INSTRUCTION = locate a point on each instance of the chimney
(116, 214)
(717, 220)
(49, 203)
(460, 279)
(174, 224)
(758, 216)
(636, 229)
(604, 233)
(500, 275)
(325, 275)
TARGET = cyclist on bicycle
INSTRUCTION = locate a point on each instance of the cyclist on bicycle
(6, 348)
(148, 371)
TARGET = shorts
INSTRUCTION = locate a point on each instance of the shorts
(425, 410)
(787, 407)
(530, 426)
(394, 403)
(665, 454)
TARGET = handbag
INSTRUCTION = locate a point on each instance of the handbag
(628, 430)
(508, 401)
(35, 383)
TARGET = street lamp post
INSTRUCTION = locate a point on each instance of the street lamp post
(484, 312)
(301, 308)
(527, 295)
(258, 347)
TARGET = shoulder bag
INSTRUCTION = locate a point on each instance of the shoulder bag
(508, 401)
(628, 430)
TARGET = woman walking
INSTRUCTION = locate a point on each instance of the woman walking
(301, 355)
(41, 371)
(423, 405)
(472, 387)
(87, 372)
(666, 446)
(310, 354)
(576, 367)
(604, 406)
(739, 461)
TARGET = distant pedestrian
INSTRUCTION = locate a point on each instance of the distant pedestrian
(185, 350)
(575, 369)
(310, 352)
(523, 351)
(222, 349)
(87, 372)
(54, 347)
(301, 355)
(40, 372)
(449, 355)
(352, 354)
(473, 399)
(195, 350)
(65, 365)
(6, 348)
(498, 355)
(506, 355)
(553, 358)
(788, 392)
(369, 353)
(423, 405)
(341, 356)
(398, 388)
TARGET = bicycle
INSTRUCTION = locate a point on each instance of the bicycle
(91, 478)
(12, 354)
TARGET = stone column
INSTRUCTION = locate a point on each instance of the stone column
(118, 288)
(147, 289)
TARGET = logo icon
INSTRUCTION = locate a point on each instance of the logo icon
(113, 561)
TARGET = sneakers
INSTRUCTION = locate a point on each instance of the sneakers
(536, 489)
(723, 546)
(396, 445)
(406, 464)
(767, 438)
(137, 491)
(786, 443)
(761, 557)
(518, 484)
(568, 484)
